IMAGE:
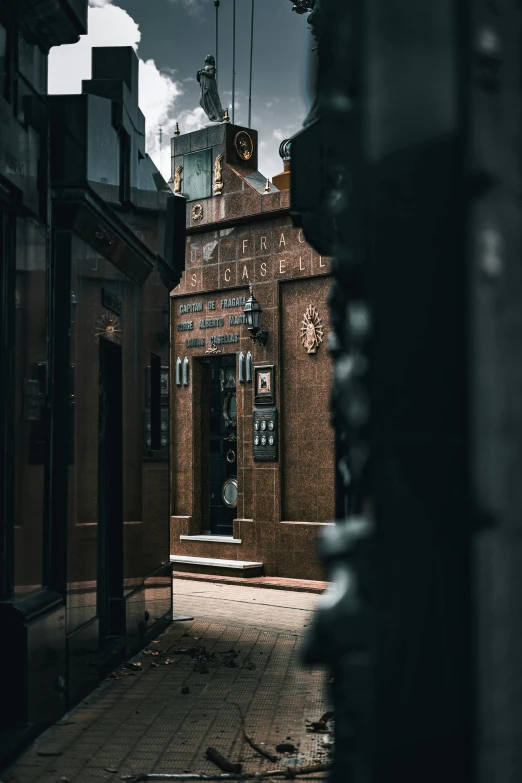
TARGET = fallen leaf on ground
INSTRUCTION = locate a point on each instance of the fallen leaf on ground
(286, 747)
(317, 727)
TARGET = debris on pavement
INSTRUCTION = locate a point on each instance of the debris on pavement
(223, 763)
(286, 747)
(258, 748)
(185, 689)
(288, 773)
(321, 726)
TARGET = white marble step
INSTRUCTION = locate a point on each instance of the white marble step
(212, 539)
(216, 565)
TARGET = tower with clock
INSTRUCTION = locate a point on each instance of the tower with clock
(215, 161)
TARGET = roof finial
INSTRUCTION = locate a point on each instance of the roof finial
(176, 131)
(267, 186)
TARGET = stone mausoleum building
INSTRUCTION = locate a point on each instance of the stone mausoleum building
(253, 476)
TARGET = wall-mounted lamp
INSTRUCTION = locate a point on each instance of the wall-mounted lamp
(252, 312)
(249, 367)
(241, 367)
(178, 371)
(163, 337)
(186, 366)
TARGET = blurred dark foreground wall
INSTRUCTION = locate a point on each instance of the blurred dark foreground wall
(409, 174)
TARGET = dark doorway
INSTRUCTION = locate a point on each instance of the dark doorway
(111, 609)
(222, 445)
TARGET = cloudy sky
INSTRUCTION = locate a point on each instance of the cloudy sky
(172, 39)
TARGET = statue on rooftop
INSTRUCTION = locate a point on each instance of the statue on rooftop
(209, 100)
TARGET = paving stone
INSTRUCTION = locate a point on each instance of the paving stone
(144, 723)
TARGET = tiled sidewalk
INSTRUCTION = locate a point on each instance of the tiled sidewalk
(270, 582)
(143, 722)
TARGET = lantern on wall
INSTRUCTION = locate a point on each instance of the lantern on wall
(178, 371)
(252, 311)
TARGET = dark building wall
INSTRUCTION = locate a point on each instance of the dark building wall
(32, 616)
(307, 449)
(62, 249)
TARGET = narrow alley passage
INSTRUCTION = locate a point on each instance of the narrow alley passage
(190, 689)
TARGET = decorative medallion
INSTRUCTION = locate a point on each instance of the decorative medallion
(312, 330)
(108, 326)
(218, 175)
(177, 180)
(197, 212)
(229, 492)
(244, 145)
(213, 349)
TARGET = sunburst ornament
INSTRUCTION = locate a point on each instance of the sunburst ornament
(312, 331)
(109, 327)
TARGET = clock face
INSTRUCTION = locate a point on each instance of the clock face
(244, 145)
(197, 175)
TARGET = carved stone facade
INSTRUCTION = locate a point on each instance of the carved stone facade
(247, 238)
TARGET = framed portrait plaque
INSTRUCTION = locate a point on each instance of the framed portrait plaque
(197, 175)
(264, 384)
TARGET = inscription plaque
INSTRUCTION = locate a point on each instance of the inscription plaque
(264, 445)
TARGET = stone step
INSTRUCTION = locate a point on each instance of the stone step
(215, 565)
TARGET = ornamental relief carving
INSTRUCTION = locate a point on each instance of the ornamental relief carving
(312, 331)
(109, 327)
(177, 180)
(218, 175)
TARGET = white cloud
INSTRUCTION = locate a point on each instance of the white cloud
(159, 92)
(193, 7)
(110, 25)
(270, 163)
